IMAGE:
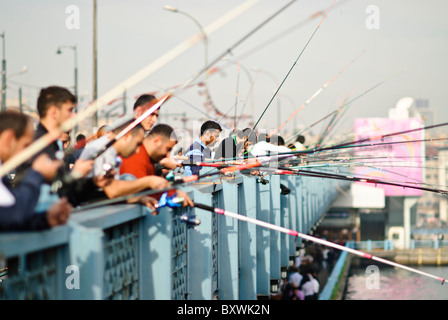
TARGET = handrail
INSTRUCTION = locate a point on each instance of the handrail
(123, 252)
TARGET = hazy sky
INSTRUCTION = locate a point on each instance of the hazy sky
(412, 38)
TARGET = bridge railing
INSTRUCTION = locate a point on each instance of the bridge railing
(388, 245)
(124, 252)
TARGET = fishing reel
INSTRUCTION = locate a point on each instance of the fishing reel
(64, 184)
(262, 179)
(190, 220)
(173, 201)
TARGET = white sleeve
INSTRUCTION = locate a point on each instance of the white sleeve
(263, 148)
(6, 197)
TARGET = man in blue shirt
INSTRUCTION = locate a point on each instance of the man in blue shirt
(199, 150)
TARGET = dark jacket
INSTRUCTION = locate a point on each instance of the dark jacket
(78, 191)
(21, 215)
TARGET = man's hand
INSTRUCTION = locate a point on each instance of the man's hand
(187, 201)
(170, 163)
(46, 167)
(150, 203)
(103, 181)
(82, 167)
(146, 201)
(59, 213)
(156, 182)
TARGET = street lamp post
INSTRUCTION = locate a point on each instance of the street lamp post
(75, 88)
(24, 70)
(3, 108)
(76, 65)
(95, 62)
(204, 35)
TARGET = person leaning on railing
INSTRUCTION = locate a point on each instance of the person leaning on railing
(18, 204)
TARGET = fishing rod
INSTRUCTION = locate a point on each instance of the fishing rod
(122, 199)
(281, 34)
(311, 238)
(378, 166)
(292, 67)
(382, 136)
(247, 98)
(341, 158)
(65, 182)
(175, 184)
(47, 139)
(236, 94)
(353, 143)
(309, 173)
(321, 89)
(231, 48)
(345, 105)
(332, 123)
(252, 85)
(133, 124)
(192, 106)
(416, 181)
(333, 149)
(384, 143)
(298, 170)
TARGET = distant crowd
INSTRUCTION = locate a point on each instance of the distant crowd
(303, 281)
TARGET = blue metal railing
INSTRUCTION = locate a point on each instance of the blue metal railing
(388, 245)
(123, 252)
(333, 279)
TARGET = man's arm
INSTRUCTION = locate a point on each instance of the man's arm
(119, 188)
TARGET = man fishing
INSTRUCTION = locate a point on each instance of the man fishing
(18, 204)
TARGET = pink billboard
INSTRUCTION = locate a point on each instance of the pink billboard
(399, 163)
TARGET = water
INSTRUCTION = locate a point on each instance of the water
(397, 284)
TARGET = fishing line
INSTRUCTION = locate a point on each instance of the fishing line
(292, 67)
(320, 90)
(311, 238)
(47, 139)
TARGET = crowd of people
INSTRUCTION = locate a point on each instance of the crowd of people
(303, 281)
(41, 191)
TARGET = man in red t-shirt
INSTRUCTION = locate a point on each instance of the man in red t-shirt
(155, 147)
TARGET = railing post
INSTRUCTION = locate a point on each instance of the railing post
(157, 273)
(248, 240)
(275, 265)
(86, 256)
(298, 215)
(286, 222)
(263, 239)
(228, 245)
(200, 258)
